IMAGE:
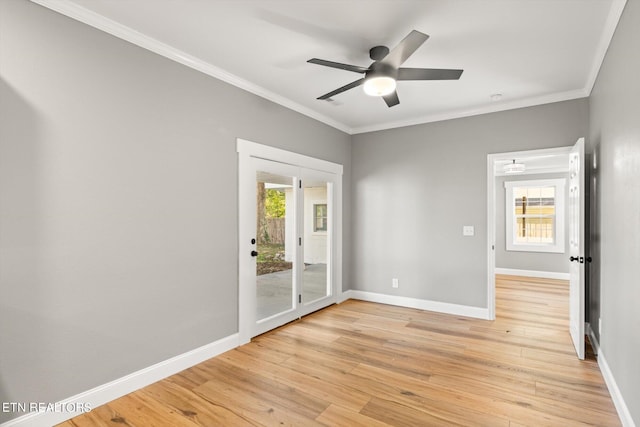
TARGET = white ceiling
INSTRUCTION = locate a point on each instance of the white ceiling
(530, 51)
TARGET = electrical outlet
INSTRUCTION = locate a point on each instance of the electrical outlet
(468, 230)
(394, 283)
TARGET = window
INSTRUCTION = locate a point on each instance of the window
(534, 215)
(320, 217)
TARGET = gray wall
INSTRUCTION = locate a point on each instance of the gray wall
(118, 203)
(415, 187)
(537, 261)
(615, 219)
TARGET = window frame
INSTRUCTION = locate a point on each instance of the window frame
(315, 217)
(558, 246)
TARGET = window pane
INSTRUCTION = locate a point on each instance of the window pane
(533, 192)
(548, 192)
(519, 192)
(546, 230)
(520, 230)
(535, 210)
(320, 217)
(533, 204)
(533, 230)
(518, 205)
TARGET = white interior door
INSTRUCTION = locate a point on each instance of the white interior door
(577, 246)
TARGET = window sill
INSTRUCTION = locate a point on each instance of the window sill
(536, 248)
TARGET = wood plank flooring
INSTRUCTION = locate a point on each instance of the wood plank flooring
(366, 364)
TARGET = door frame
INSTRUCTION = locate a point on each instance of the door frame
(246, 292)
(491, 212)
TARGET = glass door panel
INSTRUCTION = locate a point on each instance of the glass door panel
(275, 244)
(316, 241)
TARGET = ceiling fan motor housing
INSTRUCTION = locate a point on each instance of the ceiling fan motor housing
(380, 69)
(376, 53)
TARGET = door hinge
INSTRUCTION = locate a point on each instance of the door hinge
(299, 241)
(300, 184)
(299, 298)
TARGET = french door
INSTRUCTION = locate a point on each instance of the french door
(287, 243)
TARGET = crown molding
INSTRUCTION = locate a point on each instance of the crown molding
(615, 13)
(491, 108)
(95, 20)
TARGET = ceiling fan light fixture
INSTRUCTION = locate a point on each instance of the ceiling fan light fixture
(513, 167)
(379, 86)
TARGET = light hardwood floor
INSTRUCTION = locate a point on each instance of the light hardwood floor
(366, 364)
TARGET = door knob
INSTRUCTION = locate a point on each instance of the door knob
(254, 253)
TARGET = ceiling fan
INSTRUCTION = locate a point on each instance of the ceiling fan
(381, 76)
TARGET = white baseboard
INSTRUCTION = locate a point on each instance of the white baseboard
(440, 307)
(616, 396)
(112, 390)
(532, 273)
(343, 296)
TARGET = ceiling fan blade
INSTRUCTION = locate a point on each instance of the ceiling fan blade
(342, 89)
(392, 99)
(428, 74)
(341, 66)
(405, 49)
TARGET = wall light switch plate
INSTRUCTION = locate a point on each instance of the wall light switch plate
(468, 230)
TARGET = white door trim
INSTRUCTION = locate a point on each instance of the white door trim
(247, 150)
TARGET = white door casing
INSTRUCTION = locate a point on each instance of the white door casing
(577, 246)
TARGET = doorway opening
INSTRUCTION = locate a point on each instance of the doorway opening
(534, 231)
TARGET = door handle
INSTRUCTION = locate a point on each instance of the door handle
(254, 253)
(573, 258)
